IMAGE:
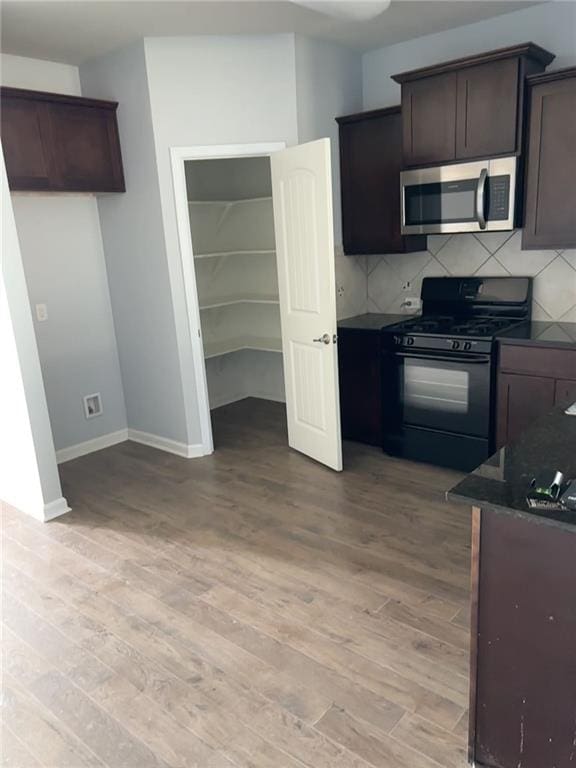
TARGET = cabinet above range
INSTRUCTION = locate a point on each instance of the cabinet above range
(59, 143)
(467, 108)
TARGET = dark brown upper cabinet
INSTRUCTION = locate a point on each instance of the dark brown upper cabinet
(370, 160)
(486, 109)
(429, 119)
(60, 143)
(468, 108)
(550, 208)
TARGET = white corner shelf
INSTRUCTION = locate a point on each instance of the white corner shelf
(228, 301)
(258, 343)
(219, 254)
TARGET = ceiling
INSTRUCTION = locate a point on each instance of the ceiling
(72, 31)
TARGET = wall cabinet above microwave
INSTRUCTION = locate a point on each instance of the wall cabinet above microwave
(60, 143)
(468, 108)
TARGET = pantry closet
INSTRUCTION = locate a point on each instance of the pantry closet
(232, 229)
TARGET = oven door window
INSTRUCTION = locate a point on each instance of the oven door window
(445, 395)
(436, 389)
(447, 202)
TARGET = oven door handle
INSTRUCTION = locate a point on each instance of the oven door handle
(473, 359)
(480, 196)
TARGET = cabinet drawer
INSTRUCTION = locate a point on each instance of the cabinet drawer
(539, 361)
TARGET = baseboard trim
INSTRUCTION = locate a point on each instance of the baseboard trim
(145, 438)
(166, 444)
(55, 509)
(89, 446)
(238, 398)
(227, 401)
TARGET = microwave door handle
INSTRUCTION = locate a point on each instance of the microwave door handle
(480, 194)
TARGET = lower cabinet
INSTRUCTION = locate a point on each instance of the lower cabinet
(531, 381)
(523, 667)
(359, 360)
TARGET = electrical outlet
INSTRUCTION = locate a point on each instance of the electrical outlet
(411, 304)
(407, 286)
(41, 312)
(93, 405)
(340, 290)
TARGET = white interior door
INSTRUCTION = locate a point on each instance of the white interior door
(302, 196)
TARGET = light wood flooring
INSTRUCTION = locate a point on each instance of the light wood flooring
(251, 608)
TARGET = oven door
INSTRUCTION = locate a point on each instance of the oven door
(443, 392)
(465, 197)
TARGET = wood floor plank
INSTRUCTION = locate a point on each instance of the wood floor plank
(443, 746)
(13, 752)
(44, 734)
(377, 748)
(250, 609)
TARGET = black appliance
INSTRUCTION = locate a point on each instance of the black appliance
(439, 369)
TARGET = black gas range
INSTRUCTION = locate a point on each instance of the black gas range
(439, 369)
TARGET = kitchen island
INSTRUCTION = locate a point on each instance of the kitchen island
(523, 617)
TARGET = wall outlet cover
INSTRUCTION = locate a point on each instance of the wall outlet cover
(93, 405)
(41, 312)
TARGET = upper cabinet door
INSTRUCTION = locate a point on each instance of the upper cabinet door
(26, 144)
(551, 166)
(370, 160)
(429, 119)
(86, 148)
(487, 109)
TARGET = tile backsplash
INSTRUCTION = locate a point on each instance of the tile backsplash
(381, 283)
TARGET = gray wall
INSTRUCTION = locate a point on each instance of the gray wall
(135, 251)
(64, 265)
(63, 259)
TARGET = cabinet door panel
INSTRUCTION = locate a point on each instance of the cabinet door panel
(521, 400)
(370, 159)
(526, 666)
(85, 148)
(487, 108)
(360, 386)
(565, 393)
(26, 145)
(550, 188)
(429, 119)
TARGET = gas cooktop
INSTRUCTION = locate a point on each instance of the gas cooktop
(485, 327)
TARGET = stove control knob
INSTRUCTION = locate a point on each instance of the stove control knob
(467, 345)
(410, 341)
(455, 345)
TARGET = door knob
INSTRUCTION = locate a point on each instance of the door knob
(324, 339)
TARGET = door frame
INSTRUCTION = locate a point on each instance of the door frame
(178, 157)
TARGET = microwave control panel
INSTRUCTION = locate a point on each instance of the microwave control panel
(497, 198)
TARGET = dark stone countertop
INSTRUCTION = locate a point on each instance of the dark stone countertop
(541, 334)
(371, 321)
(503, 481)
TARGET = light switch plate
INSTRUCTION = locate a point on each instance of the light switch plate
(41, 312)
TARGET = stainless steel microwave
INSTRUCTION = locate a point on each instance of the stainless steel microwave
(463, 197)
